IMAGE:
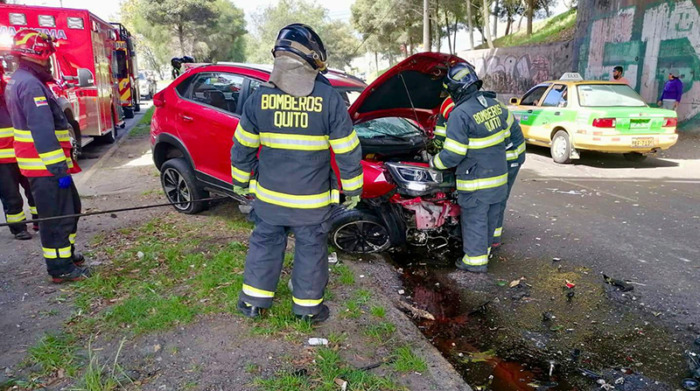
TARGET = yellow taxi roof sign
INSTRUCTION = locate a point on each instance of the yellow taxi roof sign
(571, 76)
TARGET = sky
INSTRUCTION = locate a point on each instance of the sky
(109, 9)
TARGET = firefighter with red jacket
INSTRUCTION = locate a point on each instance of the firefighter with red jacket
(10, 177)
(43, 152)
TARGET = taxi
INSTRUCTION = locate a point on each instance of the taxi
(572, 114)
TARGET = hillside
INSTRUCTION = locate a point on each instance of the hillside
(554, 29)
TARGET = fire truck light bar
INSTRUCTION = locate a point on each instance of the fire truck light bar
(18, 19)
(47, 21)
(75, 23)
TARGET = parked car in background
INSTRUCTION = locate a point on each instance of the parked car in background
(572, 114)
(147, 84)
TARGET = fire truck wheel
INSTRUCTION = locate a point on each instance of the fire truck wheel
(111, 136)
(128, 112)
(75, 138)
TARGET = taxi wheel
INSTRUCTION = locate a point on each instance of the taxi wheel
(634, 156)
(561, 147)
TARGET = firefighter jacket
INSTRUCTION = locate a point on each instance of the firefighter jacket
(476, 140)
(42, 139)
(440, 131)
(292, 178)
(7, 136)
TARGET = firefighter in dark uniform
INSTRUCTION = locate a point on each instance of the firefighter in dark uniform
(294, 121)
(515, 156)
(43, 152)
(10, 177)
(475, 143)
(440, 132)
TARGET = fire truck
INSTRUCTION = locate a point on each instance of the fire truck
(83, 66)
(125, 69)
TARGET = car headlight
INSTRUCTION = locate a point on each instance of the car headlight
(415, 180)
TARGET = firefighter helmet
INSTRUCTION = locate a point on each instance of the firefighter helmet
(187, 60)
(301, 40)
(176, 62)
(460, 77)
(32, 44)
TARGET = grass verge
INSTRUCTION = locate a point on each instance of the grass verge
(143, 128)
(555, 29)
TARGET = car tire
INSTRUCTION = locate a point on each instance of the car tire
(561, 147)
(180, 185)
(634, 156)
(128, 112)
(357, 231)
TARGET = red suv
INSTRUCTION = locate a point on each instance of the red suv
(194, 121)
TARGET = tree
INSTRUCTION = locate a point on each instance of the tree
(508, 11)
(395, 27)
(485, 14)
(337, 36)
(185, 18)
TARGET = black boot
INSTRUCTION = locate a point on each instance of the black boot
(77, 274)
(472, 269)
(248, 310)
(78, 259)
(23, 235)
(323, 314)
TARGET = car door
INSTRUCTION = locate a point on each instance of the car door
(210, 113)
(528, 110)
(552, 112)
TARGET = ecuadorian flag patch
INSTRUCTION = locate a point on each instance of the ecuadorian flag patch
(40, 101)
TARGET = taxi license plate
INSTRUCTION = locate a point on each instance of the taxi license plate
(642, 141)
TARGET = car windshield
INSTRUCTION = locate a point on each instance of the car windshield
(387, 127)
(608, 95)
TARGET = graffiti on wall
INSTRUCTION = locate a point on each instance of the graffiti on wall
(647, 43)
(513, 71)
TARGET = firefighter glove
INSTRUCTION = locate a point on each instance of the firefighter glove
(65, 182)
(351, 202)
(240, 190)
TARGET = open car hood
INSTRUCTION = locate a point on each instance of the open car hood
(411, 89)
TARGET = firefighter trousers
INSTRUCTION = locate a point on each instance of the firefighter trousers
(266, 257)
(13, 205)
(479, 221)
(57, 236)
(513, 169)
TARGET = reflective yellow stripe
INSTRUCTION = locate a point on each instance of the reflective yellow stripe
(255, 292)
(485, 142)
(246, 138)
(482, 183)
(23, 136)
(32, 164)
(513, 154)
(64, 252)
(353, 183)
(49, 253)
(71, 238)
(6, 132)
(497, 232)
(8, 153)
(447, 110)
(438, 163)
(307, 302)
(63, 135)
(294, 141)
(25, 38)
(455, 146)
(240, 175)
(15, 218)
(53, 157)
(312, 201)
(476, 261)
(440, 131)
(345, 144)
(32, 210)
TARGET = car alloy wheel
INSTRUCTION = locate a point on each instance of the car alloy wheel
(176, 189)
(361, 236)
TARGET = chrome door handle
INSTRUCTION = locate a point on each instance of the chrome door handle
(186, 118)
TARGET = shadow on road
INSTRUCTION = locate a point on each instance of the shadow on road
(607, 160)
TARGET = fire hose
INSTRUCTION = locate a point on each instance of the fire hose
(243, 200)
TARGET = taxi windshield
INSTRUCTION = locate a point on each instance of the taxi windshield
(608, 95)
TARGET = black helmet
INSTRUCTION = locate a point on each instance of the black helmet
(460, 77)
(302, 40)
(176, 62)
(187, 59)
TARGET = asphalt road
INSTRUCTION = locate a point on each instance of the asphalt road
(633, 221)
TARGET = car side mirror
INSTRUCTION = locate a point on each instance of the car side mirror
(85, 78)
(514, 101)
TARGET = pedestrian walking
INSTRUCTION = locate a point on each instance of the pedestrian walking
(617, 75)
(10, 177)
(477, 130)
(43, 151)
(673, 91)
(293, 122)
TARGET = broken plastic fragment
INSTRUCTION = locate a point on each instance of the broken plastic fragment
(318, 341)
(621, 285)
(570, 284)
(690, 384)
